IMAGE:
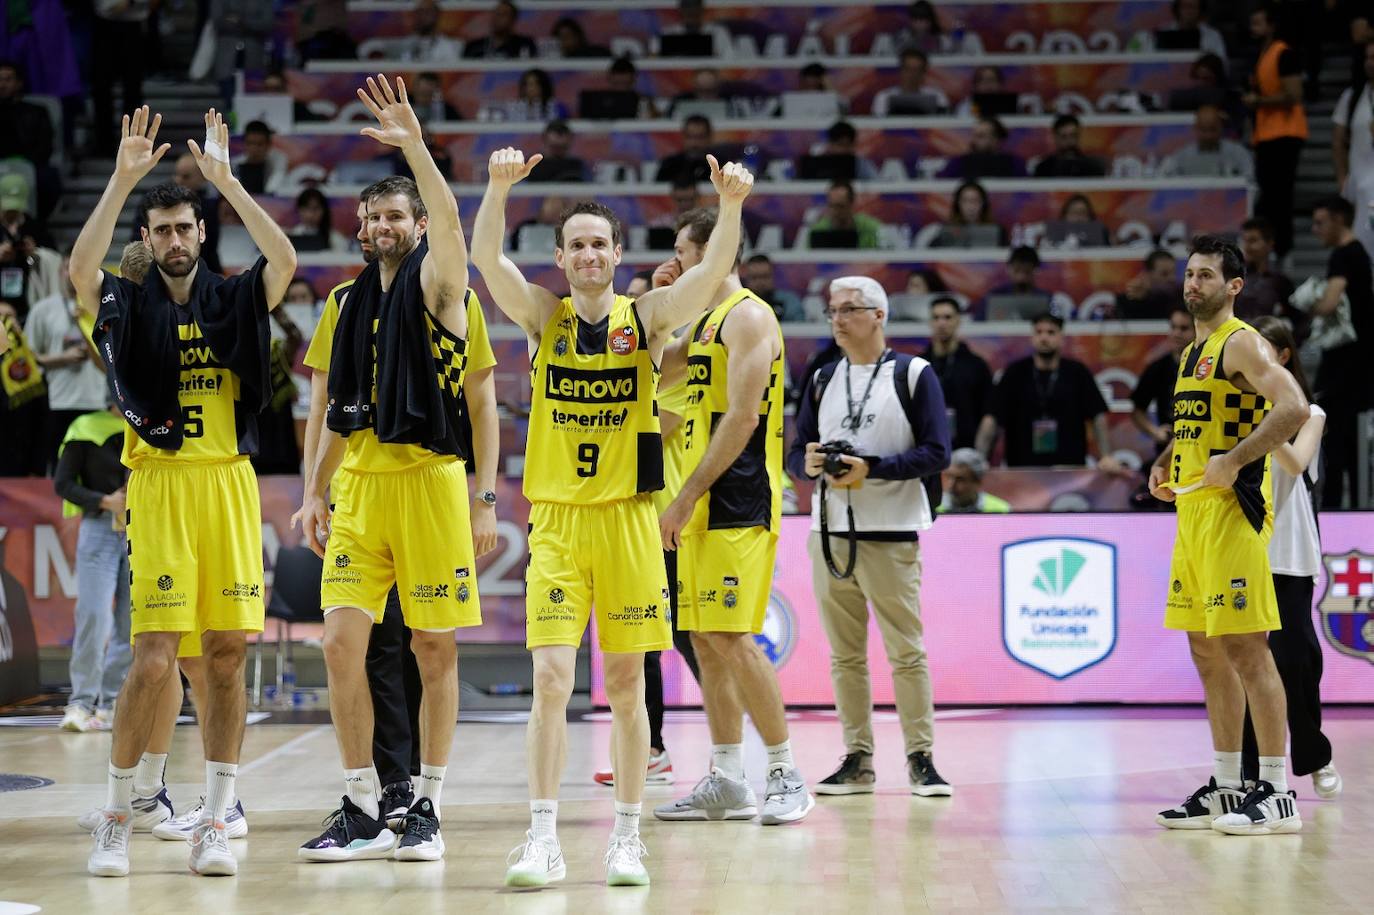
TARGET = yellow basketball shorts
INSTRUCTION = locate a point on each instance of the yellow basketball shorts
(724, 578)
(195, 549)
(1219, 580)
(606, 555)
(410, 528)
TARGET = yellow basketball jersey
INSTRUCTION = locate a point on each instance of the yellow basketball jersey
(593, 427)
(1212, 416)
(217, 426)
(749, 493)
(672, 400)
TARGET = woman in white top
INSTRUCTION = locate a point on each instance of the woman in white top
(1295, 558)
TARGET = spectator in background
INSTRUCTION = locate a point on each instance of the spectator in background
(692, 21)
(15, 218)
(1046, 403)
(1078, 209)
(322, 31)
(841, 139)
(90, 480)
(536, 235)
(26, 131)
(118, 54)
(23, 394)
(243, 36)
(911, 91)
(1343, 385)
(314, 229)
(985, 157)
(1210, 155)
(814, 77)
(572, 41)
(76, 383)
(622, 76)
(301, 292)
(840, 214)
(924, 282)
(535, 101)
(1068, 160)
(558, 164)
(964, 375)
(971, 209)
(261, 169)
(685, 197)
(1280, 126)
(1189, 15)
(964, 486)
(690, 163)
(757, 273)
(1153, 293)
(1352, 147)
(1266, 289)
(705, 88)
(985, 79)
(924, 33)
(1021, 266)
(1156, 384)
(503, 43)
(426, 44)
(427, 98)
(443, 160)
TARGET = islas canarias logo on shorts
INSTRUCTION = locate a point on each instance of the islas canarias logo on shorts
(1347, 604)
(1059, 603)
(779, 636)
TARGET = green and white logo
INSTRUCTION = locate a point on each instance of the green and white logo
(1057, 573)
(1059, 603)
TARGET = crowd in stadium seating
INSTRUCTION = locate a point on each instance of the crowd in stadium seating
(1249, 96)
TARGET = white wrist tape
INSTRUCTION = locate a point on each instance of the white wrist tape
(212, 147)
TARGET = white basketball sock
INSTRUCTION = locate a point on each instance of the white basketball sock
(1226, 769)
(119, 789)
(626, 819)
(219, 787)
(431, 784)
(360, 786)
(151, 774)
(780, 758)
(729, 759)
(544, 817)
(1274, 770)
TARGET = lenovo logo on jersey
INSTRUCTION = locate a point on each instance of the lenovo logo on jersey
(1193, 405)
(590, 386)
(698, 369)
(193, 356)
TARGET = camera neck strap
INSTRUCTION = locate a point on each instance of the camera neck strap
(850, 535)
(855, 411)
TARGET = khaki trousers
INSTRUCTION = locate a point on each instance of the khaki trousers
(887, 575)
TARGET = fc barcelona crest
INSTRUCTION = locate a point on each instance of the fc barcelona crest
(1347, 605)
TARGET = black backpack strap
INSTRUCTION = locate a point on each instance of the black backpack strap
(901, 379)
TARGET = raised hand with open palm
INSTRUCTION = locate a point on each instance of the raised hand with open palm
(138, 149)
(398, 124)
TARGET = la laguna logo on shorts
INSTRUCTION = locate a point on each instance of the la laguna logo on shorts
(779, 636)
(1059, 603)
(1347, 604)
(1204, 368)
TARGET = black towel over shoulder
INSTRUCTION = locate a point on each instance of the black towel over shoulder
(136, 334)
(412, 405)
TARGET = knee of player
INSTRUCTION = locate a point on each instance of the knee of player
(223, 662)
(153, 662)
(1250, 654)
(434, 652)
(624, 685)
(553, 682)
(342, 650)
(731, 647)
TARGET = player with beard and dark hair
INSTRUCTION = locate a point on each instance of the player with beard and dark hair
(1234, 405)
(187, 352)
(390, 457)
(593, 462)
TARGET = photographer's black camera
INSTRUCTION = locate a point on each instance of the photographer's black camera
(832, 451)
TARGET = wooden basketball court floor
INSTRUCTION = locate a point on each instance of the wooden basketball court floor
(1053, 811)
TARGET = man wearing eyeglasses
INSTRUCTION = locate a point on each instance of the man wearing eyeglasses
(873, 429)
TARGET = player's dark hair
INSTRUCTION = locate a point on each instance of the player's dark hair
(1232, 261)
(700, 223)
(397, 184)
(1280, 335)
(168, 196)
(587, 208)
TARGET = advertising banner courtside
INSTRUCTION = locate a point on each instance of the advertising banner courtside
(1029, 608)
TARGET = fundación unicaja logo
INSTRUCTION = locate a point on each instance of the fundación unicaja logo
(1059, 603)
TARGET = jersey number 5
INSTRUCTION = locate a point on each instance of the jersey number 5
(587, 454)
(194, 425)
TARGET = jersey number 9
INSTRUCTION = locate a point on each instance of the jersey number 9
(587, 456)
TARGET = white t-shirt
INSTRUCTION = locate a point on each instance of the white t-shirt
(1357, 123)
(880, 506)
(1295, 547)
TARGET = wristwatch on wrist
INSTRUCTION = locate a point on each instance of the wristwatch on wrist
(486, 496)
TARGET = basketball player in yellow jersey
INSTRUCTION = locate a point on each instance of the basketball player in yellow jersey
(593, 459)
(400, 504)
(187, 353)
(1233, 405)
(724, 523)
